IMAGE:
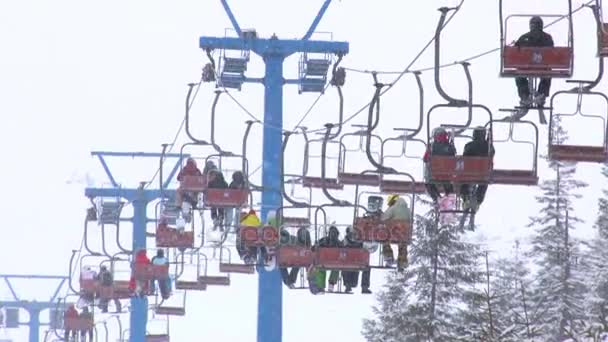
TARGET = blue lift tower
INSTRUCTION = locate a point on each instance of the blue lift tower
(33, 308)
(140, 198)
(312, 78)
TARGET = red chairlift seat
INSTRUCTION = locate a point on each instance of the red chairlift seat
(317, 182)
(225, 197)
(193, 183)
(167, 237)
(158, 338)
(342, 259)
(214, 280)
(267, 236)
(79, 323)
(572, 153)
(295, 221)
(603, 51)
(402, 187)
(359, 179)
(237, 268)
(369, 229)
(295, 256)
(148, 272)
(190, 285)
(170, 310)
(461, 169)
(514, 177)
(88, 286)
(118, 290)
(537, 61)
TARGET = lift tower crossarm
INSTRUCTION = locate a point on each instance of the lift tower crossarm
(139, 197)
(283, 47)
(33, 307)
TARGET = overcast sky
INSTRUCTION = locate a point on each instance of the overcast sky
(77, 76)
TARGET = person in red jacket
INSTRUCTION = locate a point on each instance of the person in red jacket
(139, 287)
(71, 312)
(191, 169)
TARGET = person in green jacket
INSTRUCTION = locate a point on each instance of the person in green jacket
(397, 210)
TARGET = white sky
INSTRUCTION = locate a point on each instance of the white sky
(78, 76)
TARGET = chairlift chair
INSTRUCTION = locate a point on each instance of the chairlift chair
(227, 265)
(293, 255)
(460, 169)
(318, 182)
(556, 62)
(558, 151)
(197, 284)
(602, 30)
(109, 210)
(356, 178)
(232, 69)
(173, 310)
(527, 176)
(337, 258)
(312, 71)
(392, 186)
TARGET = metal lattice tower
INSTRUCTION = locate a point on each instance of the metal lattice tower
(273, 51)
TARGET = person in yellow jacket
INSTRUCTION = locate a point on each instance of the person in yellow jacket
(249, 219)
(397, 210)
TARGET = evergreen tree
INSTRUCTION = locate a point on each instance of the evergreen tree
(420, 303)
(558, 291)
(514, 312)
(596, 264)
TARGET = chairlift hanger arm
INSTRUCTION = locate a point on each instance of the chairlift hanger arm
(188, 133)
(440, 25)
(335, 201)
(218, 93)
(317, 20)
(371, 126)
(283, 192)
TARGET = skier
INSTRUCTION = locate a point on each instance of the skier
(441, 146)
(479, 147)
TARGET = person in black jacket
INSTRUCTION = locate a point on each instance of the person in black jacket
(441, 146)
(105, 278)
(479, 147)
(332, 240)
(217, 181)
(351, 278)
(238, 183)
(535, 38)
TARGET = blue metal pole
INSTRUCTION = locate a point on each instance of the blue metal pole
(270, 291)
(34, 325)
(139, 306)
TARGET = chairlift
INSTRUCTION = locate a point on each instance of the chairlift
(109, 210)
(460, 169)
(173, 310)
(535, 62)
(337, 258)
(312, 72)
(527, 176)
(293, 255)
(602, 30)
(227, 265)
(232, 68)
(402, 186)
(197, 284)
(157, 336)
(356, 178)
(314, 181)
(558, 151)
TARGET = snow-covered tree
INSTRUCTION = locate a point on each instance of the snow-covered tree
(558, 287)
(514, 312)
(421, 303)
(596, 264)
